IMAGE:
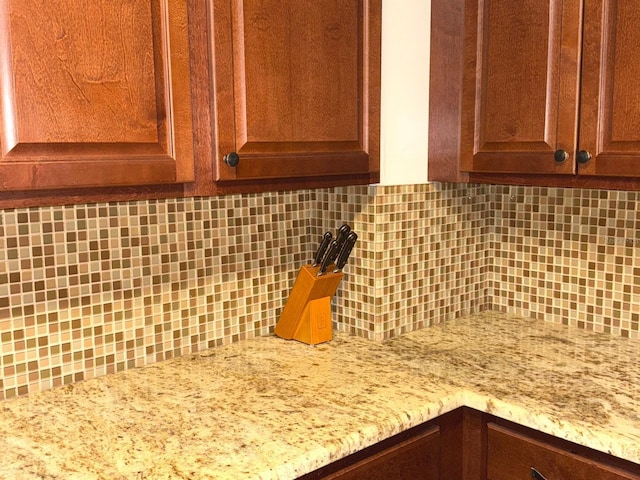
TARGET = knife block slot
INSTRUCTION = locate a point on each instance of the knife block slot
(306, 316)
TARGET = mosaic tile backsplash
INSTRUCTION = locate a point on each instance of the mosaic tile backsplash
(569, 256)
(421, 256)
(88, 290)
(93, 289)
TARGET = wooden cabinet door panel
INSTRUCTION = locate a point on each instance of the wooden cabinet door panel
(610, 108)
(94, 94)
(414, 459)
(292, 89)
(511, 455)
(521, 85)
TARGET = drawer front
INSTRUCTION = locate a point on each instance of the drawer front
(512, 455)
(417, 458)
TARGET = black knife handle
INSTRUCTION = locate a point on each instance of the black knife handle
(345, 251)
(341, 236)
(329, 257)
(326, 240)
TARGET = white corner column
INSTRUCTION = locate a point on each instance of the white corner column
(404, 119)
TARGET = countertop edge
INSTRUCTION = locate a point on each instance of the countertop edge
(600, 440)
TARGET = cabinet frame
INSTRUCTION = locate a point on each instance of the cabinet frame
(191, 37)
(453, 53)
(464, 448)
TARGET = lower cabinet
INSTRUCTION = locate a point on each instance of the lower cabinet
(416, 458)
(470, 445)
(430, 451)
(513, 455)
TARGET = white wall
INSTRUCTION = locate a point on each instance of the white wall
(405, 91)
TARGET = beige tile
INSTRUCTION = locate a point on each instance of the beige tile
(93, 289)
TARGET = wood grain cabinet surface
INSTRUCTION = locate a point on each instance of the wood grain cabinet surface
(431, 451)
(114, 100)
(295, 92)
(94, 94)
(543, 92)
(417, 458)
(512, 455)
(467, 444)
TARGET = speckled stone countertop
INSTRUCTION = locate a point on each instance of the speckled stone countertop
(270, 408)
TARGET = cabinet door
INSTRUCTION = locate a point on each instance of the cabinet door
(521, 84)
(296, 87)
(94, 93)
(610, 111)
(512, 455)
(415, 459)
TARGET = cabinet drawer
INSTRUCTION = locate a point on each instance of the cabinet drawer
(417, 458)
(512, 455)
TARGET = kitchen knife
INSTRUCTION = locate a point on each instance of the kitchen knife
(341, 236)
(329, 257)
(326, 240)
(345, 251)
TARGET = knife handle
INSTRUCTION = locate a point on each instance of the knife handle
(329, 257)
(326, 240)
(345, 251)
(341, 236)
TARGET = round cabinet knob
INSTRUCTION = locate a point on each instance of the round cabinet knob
(560, 156)
(583, 156)
(232, 159)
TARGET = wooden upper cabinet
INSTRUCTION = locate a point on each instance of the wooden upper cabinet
(296, 89)
(610, 100)
(522, 99)
(94, 94)
(532, 83)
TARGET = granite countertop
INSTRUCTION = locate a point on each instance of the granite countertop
(271, 408)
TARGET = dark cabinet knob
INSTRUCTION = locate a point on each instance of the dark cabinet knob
(583, 156)
(232, 159)
(560, 156)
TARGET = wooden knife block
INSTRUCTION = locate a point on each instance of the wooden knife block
(306, 316)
